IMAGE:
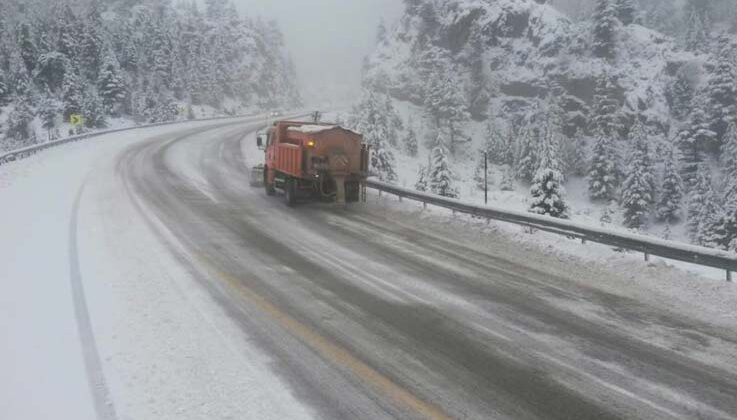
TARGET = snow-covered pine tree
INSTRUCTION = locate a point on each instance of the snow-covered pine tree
(729, 155)
(440, 176)
(72, 94)
(445, 100)
(411, 146)
(19, 122)
(19, 79)
(525, 158)
(93, 109)
(421, 184)
(382, 161)
(4, 90)
(605, 27)
(722, 89)
(48, 112)
(496, 144)
(638, 187)
(574, 154)
(697, 22)
(626, 11)
(702, 213)
(548, 192)
(507, 182)
(693, 140)
(680, 95)
(606, 110)
(671, 190)
(24, 38)
(478, 172)
(393, 121)
(603, 172)
(110, 82)
(91, 41)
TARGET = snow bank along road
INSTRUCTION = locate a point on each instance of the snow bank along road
(203, 298)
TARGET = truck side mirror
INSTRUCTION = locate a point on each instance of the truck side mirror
(260, 141)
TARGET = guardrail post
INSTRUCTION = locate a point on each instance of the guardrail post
(400, 198)
(729, 276)
(647, 257)
(424, 205)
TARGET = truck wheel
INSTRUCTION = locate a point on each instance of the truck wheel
(269, 187)
(290, 192)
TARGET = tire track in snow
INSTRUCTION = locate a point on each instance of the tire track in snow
(104, 408)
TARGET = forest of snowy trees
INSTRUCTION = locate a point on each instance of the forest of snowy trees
(146, 60)
(639, 98)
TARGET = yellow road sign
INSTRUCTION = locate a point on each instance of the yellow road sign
(76, 120)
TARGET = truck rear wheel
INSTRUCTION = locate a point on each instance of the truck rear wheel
(269, 187)
(290, 192)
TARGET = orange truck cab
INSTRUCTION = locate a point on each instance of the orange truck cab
(314, 160)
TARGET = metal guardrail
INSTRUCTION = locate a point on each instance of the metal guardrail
(647, 245)
(19, 154)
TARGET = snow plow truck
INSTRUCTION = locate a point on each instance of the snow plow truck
(317, 161)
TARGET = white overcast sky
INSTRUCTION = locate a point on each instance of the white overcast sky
(327, 38)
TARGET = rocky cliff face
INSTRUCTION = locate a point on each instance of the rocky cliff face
(511, 53)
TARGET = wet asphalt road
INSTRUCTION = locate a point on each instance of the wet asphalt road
(367, 314)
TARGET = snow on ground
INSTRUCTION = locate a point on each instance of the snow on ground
(155, 347)
(695, 291)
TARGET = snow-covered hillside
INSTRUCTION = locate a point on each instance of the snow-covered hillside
(633, 115)
(116, 63)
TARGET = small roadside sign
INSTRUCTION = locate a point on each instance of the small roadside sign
(76, 120)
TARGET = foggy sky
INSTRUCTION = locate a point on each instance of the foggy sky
(327, 39)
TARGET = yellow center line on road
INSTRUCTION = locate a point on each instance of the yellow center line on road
(332, 351)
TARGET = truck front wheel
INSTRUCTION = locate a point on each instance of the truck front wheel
(290, 192)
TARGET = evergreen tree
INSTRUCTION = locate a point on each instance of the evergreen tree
(605, 27)
(19, 122)
(697, 24)
(481, 172)
(671, 190)
(48, 112)
(681, 94)
(72, 94)
(445, 101)
(526, 161)
(440, 176)
(19, 78)
(382, 162)
(729, 155)
(110, 82)
(93, 110)
(606, 112)
(410, 141)
(639, 186)
(422, 182)
(507, 182)
(496, 144)
(703, 211)
(4, 90)
(693, 140)
(26, 45)
(603, 172)
(722, 89)
(548, 193)
(626, 11)
(574, 155)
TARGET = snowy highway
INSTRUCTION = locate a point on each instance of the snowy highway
(192, 295)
